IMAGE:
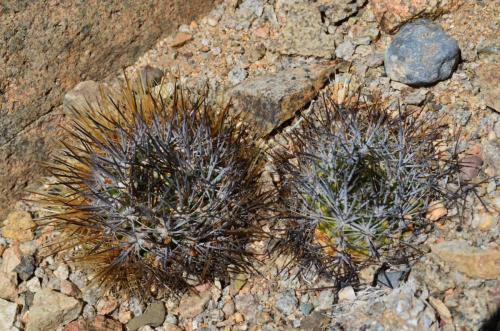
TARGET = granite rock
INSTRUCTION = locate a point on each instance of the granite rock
(491, 153)
(247, 305)
(286, 302)
(11, 259)
(26, 268)
(302, 32)
(46, 48)
(489, 80)
(8, 285)
(339, 10)
(193, 305)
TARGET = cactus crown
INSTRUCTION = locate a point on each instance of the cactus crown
(158, 193)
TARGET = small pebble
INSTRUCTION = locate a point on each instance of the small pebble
(62, 272)
(33, 285)
(180, 39)
(436, 211)
(26, 268)
(306, 308)
(286, 302)
(238, 318)
(237, 75)
(347, 294)
(470, 166)
(416, 98)
(345, 50)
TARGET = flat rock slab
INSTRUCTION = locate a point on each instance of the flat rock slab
(472, 261)
(193, 305)
(421, 54)
(268, 101)
(153, 316)
(51, 309)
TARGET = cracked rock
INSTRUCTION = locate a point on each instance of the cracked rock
(269, 100)
(51, 309)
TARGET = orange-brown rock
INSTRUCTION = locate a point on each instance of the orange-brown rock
(472, 261)
(181, 38)
(391, 14)
(18, 226)
(47, 47)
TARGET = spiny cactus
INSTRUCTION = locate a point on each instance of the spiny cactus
(357, 182)
(158, 194)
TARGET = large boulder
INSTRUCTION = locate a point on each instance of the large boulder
(46, 47)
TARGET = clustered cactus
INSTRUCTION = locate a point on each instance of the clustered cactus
(163, 193)
(158, 193)
(356, 184)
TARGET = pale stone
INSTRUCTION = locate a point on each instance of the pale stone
(238, 318)
(18, 226)
(51, 309)
(192, 305)
(347, 294)
(11, 259)
(303, 20)
(8, 285)
(85, 94)
(391, 14)
(269, 100)
(62, 272)
(441, 309)
(7, 314)
(180, 39)
(34, 285)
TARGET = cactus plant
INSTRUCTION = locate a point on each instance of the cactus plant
(158, 194)
(357, 183)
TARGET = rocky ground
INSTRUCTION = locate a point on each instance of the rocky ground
(272, 58)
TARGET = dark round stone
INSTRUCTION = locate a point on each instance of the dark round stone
(421, 54)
